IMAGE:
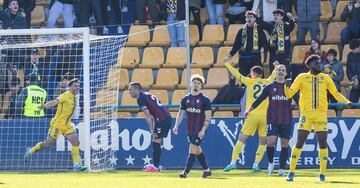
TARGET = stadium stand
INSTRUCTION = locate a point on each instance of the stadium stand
(38, 16)
(143, 76)
(114, 73)
(223, 114)
(350, 113)
(139, 35)
(331, 113)
(222, 52)
(153, 57)
(293, 35)
(126, 99)
(122, 115)
(231, 34)
(217, 78)
(202, 57)
(175, 58)
(167, 78)
(193, 71)
(162, 95)
(176, 98)
(161, 36)
(129, 57)
(213, 35)
(334, 32)
(298, 54)
(296, 113)
(194, 35)
(326, 11)
(339, 9)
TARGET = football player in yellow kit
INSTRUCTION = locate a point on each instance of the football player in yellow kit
(313, 104)
(61, 124)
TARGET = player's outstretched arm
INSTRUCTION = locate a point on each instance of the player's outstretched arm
(179, 118)
(334, 92)
(237, 74)
(149, 119)
(272, 77)
(206, 124)
(49, 104)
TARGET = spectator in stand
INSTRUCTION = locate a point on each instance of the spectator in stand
(87, 7)
(62, 86)
(267, 7)
(248, 42)
(334, 69)
(285, 5)
(27, 5)
(351, 13)
(32, 67)
(64, 8)
(308, 12)
(195, 6)
(353, 69)
(13, 17)
(215, 10)
(176, 13)
(315, 48)
(237, 9)
(15, 89)
(153, 10)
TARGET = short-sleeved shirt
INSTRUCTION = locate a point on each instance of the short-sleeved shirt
(195, 107)
(65, 107)
(152, 103)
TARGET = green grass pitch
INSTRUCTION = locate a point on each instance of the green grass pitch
(169, 178)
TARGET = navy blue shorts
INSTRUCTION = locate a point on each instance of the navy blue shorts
(161, 129)
(194, 139)
(281, 130)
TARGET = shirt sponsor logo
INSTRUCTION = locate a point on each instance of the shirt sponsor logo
(193, 110)
(279, 98)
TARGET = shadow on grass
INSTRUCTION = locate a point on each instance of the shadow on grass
(344, 182)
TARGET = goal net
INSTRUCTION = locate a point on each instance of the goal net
(32, 61)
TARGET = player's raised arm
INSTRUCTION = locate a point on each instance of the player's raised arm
(334, 92)
(272, 77)
(149, 119)
(179, 118)
(237, 74)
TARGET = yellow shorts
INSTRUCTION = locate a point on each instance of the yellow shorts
(60, 127)
(253, 122)
(319, 120)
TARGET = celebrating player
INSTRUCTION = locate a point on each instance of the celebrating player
(61, 124)
(198, 111)
(313, 104)
(158, 119)
(256, 120)
(279, 118)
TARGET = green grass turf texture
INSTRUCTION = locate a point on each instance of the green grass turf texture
(170, 178)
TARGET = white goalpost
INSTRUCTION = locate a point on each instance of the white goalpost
(54, 56)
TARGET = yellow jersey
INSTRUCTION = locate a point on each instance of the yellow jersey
(65, 107)
(254, 88)
(313, 92)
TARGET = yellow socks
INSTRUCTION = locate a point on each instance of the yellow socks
(237, 150)
(323, 157)
(295, 154)
(36, 148)
(75, 153)
(259, 153)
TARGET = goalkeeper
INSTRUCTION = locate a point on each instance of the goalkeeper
(61, 124)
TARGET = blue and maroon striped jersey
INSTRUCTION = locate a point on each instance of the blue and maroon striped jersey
(195, 107)
(151, 102)
(279, 109)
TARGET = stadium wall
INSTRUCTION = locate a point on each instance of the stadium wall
(132, 143)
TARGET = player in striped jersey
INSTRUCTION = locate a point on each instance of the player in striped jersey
(158, 119)
(279, 118)
(313, 104)
(198, 111)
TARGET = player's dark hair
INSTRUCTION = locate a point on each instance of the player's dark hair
(198, 77)
(258, 70)
(136, 85)
(71, 82)
(312, 58)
